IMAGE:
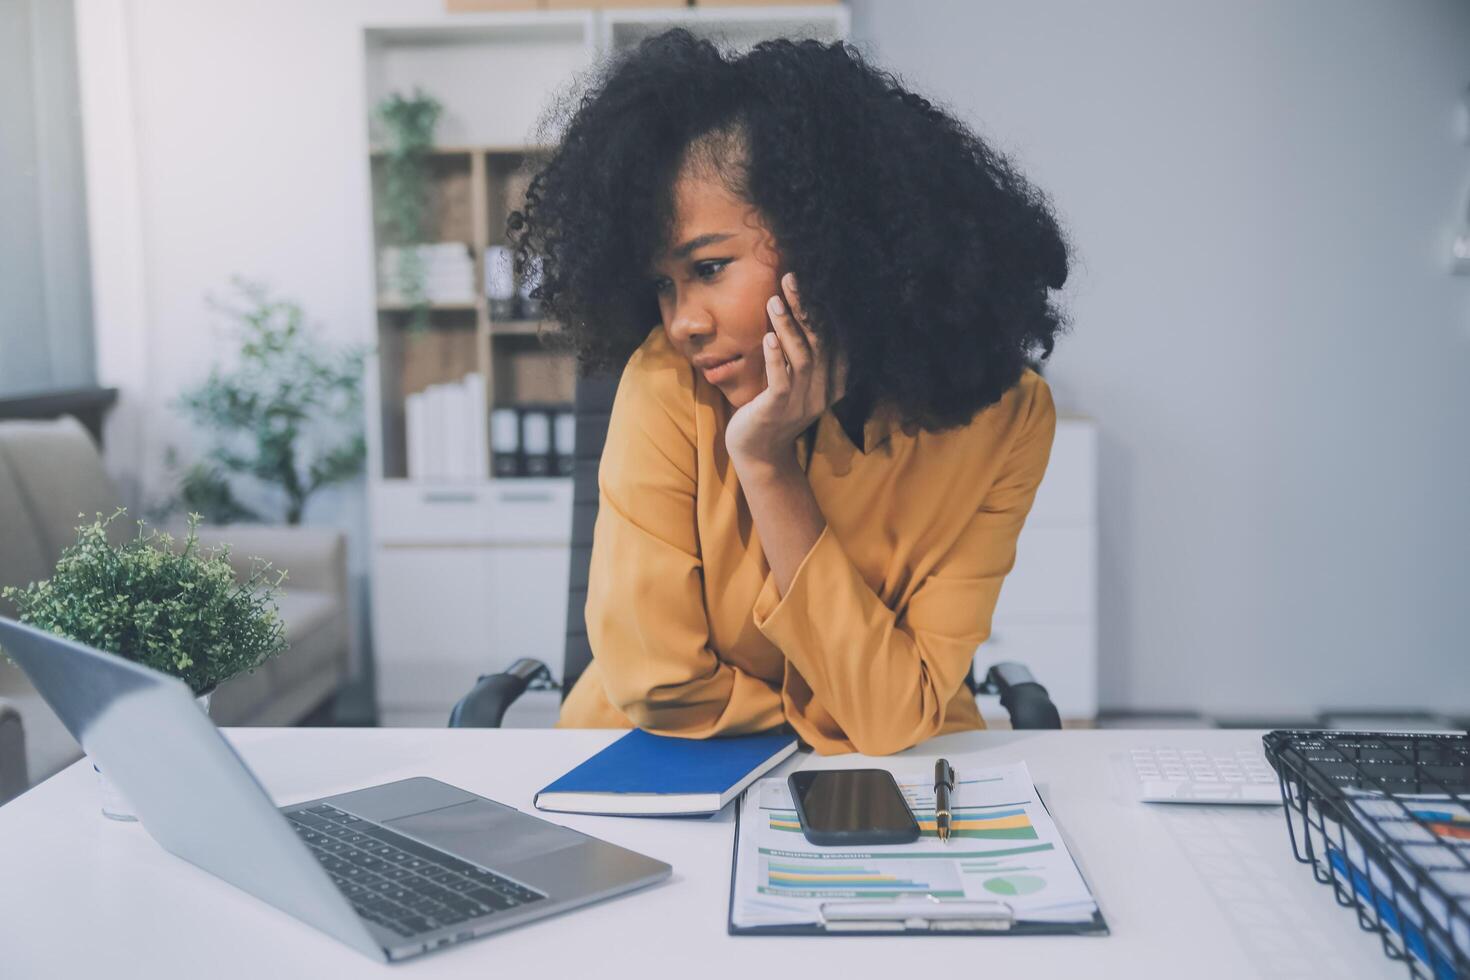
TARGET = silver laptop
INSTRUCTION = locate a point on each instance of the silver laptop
(393, 870)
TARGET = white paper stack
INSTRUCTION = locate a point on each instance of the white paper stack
(446, 430)
(448, 273)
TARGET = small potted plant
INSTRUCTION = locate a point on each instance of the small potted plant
(173, 606)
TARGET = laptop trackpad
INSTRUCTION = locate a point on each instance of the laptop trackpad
(487, 833)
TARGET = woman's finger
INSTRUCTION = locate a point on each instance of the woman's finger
(778, 380)
(793, 341)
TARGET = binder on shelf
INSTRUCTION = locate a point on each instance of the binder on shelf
(528, 305)
(536, 451)
(564, 438)
(505, 442)
(500, 283)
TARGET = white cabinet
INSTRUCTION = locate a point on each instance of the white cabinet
(528, 603)
(1046, 616)
(432, 625)
(467, 579)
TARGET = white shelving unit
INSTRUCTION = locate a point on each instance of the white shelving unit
(468, 576)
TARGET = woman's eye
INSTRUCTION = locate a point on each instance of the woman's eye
(706, 270)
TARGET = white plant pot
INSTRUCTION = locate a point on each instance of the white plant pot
(115, 806)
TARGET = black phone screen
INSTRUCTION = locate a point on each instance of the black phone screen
(852, 806)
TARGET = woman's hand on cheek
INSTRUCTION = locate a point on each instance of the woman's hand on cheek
(800, 386)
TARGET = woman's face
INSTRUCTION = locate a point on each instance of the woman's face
(713, 284)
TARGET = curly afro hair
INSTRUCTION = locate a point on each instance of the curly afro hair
(923, 256)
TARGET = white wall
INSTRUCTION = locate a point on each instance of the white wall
(1261, 195)
(223, 140)
(45, 279)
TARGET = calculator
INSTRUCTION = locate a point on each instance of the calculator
(1168, 775)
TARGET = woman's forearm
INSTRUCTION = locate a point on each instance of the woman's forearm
(785, 513)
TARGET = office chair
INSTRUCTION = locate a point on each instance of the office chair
(485, 705)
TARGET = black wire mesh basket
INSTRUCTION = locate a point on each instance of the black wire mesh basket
(1385, 820)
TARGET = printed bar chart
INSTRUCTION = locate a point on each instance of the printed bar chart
(876, 877)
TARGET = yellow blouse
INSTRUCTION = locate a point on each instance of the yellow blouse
(869, 648)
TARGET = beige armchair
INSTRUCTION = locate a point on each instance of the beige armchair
(51, 471)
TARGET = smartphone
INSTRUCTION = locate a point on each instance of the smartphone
(852, 806)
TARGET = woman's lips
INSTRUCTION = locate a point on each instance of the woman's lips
(722, 372)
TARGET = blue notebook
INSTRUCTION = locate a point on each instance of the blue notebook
(645, 775)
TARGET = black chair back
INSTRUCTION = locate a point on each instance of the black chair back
(594, 407)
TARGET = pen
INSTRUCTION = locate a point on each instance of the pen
(943, 786)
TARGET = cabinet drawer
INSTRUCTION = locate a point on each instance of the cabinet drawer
(432, 623)
(1055, 574)
(529, 605)
(1068, 492)
(487, 512)
(1061, 656)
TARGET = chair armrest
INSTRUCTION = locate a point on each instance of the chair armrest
(313, 558)
(13, 778)
(1023, 698)
(493, 694)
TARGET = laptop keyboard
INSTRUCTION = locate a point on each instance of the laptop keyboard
(396, 881)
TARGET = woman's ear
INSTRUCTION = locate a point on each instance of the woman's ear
(768, 253)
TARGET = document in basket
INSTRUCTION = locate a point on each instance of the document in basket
(1425, 834)
(1004, 852)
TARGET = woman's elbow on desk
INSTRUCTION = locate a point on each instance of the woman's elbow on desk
(668, 713)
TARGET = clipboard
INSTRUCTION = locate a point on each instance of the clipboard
(917, 916)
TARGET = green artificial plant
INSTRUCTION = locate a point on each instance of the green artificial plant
(179, 610)
(406, 131)
(289, 414)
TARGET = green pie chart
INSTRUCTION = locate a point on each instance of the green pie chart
(1015, 884)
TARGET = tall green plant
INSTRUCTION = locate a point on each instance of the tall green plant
(406, 130)
(288, 414)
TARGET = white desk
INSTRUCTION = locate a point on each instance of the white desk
(1198, 892)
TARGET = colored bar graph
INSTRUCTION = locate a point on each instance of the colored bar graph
(794, 878)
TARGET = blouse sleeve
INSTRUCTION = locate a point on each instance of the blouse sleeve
(887, 676)
(646, 620)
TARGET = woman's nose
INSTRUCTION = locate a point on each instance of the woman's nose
(690, 320)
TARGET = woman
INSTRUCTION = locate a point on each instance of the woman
(821, 454)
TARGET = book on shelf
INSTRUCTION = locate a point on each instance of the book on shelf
(505, 441)
(445, 429)
(446, 272)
